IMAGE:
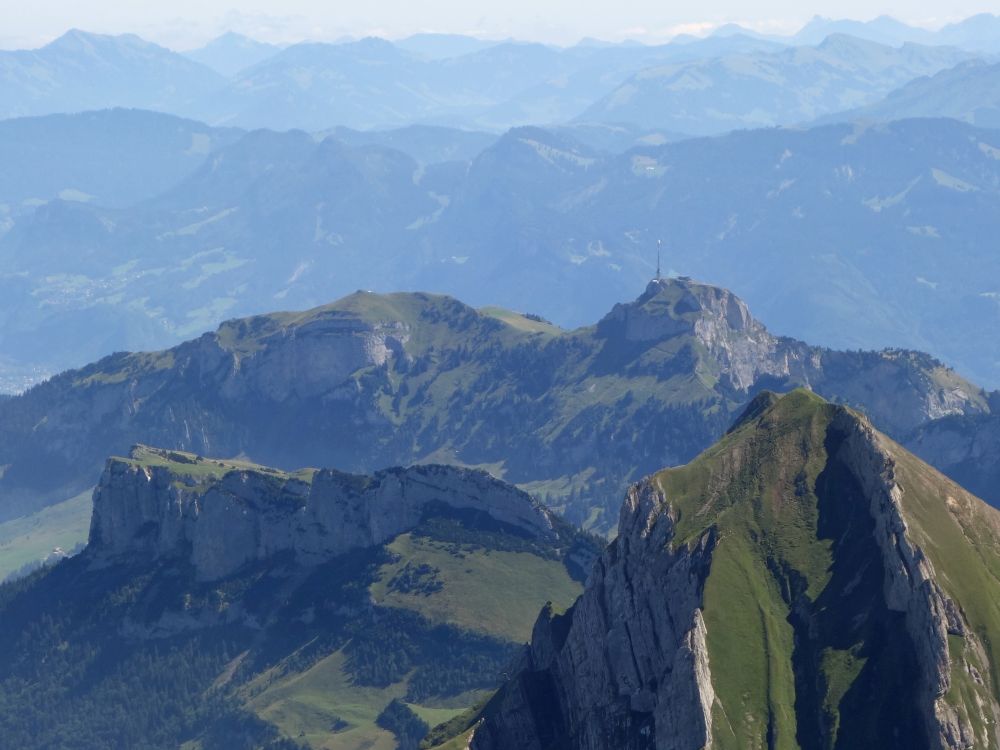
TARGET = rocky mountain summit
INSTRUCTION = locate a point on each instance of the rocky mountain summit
(373, 381)
(804, 583)
(224, 515)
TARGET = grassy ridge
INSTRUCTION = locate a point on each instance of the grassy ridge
(184, 464)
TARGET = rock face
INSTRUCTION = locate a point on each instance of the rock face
(219, 516)
(790, 548)
(304, 360)
(965, 447)
(628, 663)
(716, 318)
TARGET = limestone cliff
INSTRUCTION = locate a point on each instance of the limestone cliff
(795, 586)
(222, 515)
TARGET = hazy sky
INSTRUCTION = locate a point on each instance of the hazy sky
(187, 23)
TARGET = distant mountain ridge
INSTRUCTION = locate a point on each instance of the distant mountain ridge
(231, 53)
(797, 84)
(373, 83)
(980, 33)
(966, 92)
(84, 71)
(430, 80)
(731, 79)
(111, 158)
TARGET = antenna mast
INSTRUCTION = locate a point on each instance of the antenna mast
(659, 245)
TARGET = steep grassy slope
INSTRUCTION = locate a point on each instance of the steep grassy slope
(132, 646)
(841, 594)
(376, 380)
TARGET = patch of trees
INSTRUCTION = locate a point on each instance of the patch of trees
(399, 719)
(416, 579)
(444, 660)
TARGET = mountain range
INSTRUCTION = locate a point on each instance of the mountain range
(873, 231)
(83, 71)
(979, 33)
(374, 381)
(805, 570)
(784, 87)
(244, 517)
(697, 86)
(372, 83)
(111, 158)
(232, 53)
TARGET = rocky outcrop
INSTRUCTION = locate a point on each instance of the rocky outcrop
(627, 666)
(246, 515)
(306, 360)
(716, 318)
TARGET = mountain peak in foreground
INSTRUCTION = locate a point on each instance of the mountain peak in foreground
(804, 583)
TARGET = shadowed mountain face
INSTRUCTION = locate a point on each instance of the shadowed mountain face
(238, 606)
(872, 232)
(377, 380)
(804, 583)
